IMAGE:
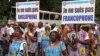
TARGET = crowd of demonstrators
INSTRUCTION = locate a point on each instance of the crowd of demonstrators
(29, 39)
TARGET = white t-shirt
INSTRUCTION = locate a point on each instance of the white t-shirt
(10, 30)
(40, 29)
(40, 32)
(55, 29)
(3, 30)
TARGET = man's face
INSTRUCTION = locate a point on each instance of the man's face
(3, 24)
(9, 25)
(40, 24)
(53, 25)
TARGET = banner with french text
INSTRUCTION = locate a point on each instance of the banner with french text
(78, 12)
(27, 11)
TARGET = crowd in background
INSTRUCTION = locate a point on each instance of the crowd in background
(29, 39)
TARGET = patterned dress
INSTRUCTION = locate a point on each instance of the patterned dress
(17, 48)
(55, 50)
(83, 36)
(33, 44)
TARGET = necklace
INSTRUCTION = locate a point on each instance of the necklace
(52, 44)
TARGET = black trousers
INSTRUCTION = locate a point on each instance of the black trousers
(0, 42)
(5, 50)
(67, 48)
(31, 54)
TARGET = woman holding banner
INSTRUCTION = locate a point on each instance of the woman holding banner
(31, 37)
(83, 40)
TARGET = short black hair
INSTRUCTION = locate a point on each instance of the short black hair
(85, 28)
(57, 34)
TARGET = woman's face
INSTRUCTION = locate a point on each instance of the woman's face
(30, 27)
(53, 37)
(65, 30)
(17, 33)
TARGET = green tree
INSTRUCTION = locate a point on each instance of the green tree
(97, 11)
(4, 7)
(50, 5)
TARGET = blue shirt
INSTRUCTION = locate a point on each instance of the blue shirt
(54, 50)
(44, 41)
(14, 48)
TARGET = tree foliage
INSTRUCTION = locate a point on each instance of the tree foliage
(50, 5)
(97, 11)
(4, 7)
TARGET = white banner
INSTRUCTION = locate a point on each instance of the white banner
(27, 11)
(78, 12)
